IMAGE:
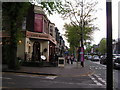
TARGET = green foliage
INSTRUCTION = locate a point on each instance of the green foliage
(102, 46)
(81, 18)
(50, 7)
(73, 34)
(88, 49)
(13, 14)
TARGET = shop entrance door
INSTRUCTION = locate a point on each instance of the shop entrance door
(36, 51)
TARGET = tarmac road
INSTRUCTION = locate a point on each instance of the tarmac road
(71, 76)
(11, 80)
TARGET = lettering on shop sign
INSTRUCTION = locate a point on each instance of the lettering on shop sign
(40, 36)
(34, 35)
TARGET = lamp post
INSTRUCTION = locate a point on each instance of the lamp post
(109, 46)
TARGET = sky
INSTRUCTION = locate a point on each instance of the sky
(100, 22)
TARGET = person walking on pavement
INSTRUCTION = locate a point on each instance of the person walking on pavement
(68, 59)
(80, 56)
(72, 59)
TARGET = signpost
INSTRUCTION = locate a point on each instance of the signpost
(61, 62)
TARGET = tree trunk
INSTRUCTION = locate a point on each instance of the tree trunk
(13, 47)
(13, 57)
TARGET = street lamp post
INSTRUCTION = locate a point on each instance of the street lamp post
(109, 46)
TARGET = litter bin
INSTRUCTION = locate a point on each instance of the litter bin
(61, 62)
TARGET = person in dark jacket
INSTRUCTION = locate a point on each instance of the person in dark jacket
(72, 59)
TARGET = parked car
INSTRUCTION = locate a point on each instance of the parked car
(89, 57)
(115, 56)
(103, 59)
(95, 58)
(86, 56)
(116, 63)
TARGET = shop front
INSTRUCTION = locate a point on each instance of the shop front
(36, 44)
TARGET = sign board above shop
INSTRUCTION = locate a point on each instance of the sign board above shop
(43, 36)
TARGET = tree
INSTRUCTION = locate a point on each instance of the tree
(49, 7)
(88, 47)
(13, 15)
(81, 15)
(102, 46)
(73, 34)
(78, 11)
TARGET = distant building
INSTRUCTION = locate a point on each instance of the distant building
(60, 47)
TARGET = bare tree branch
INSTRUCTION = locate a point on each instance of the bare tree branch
(74, 13)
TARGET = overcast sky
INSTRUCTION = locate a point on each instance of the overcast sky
(101, 21)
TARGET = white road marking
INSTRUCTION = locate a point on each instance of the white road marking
(97, 67)
(94, 80)
(99, 78)
(46, 77)
(51, 77)
(72, 83)
(96, 62)
(5, 78)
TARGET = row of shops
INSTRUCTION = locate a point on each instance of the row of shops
(41, 37)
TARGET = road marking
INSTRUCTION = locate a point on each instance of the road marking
(97, 67)
(96, 62)
(5, 78)
(94, 80)
(86, 74)
(99, 78)
(34, 76)
(51, 77)
(72, 83)
(28, 76)
(98, 82)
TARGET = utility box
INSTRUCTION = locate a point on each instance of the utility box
(61, 62)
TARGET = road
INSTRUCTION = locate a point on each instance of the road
(100, 73)
(95, 80)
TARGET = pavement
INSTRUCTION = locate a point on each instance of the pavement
(69, 70)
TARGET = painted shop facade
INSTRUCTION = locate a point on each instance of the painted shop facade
(41, 37)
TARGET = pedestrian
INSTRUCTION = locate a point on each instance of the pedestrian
(68, 59)
(55, 59)
(82, 63)
(81, 56)
(72, 59)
